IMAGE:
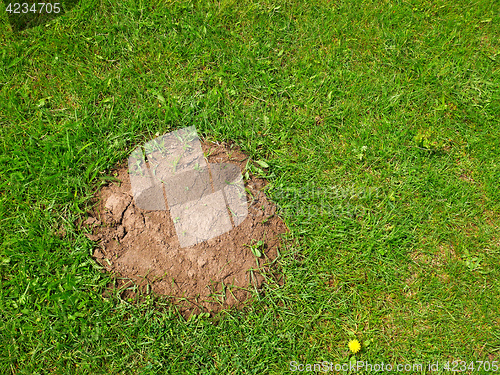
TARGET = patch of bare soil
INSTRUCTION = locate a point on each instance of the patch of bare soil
(142, 250)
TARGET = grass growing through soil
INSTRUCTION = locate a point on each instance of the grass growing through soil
(379, 123)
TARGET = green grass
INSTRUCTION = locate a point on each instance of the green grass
(378, 119)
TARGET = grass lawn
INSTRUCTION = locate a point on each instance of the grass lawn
(379, 121)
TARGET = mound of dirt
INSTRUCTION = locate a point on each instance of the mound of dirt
(142, 250)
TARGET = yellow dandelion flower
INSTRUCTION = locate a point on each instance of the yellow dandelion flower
(355, 346)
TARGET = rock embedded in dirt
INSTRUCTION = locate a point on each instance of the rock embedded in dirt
(142, 246)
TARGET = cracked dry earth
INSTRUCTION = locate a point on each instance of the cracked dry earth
(142, 250)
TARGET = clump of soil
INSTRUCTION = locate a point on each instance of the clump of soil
(142, 249)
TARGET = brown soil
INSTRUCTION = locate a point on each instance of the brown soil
(142, 250)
